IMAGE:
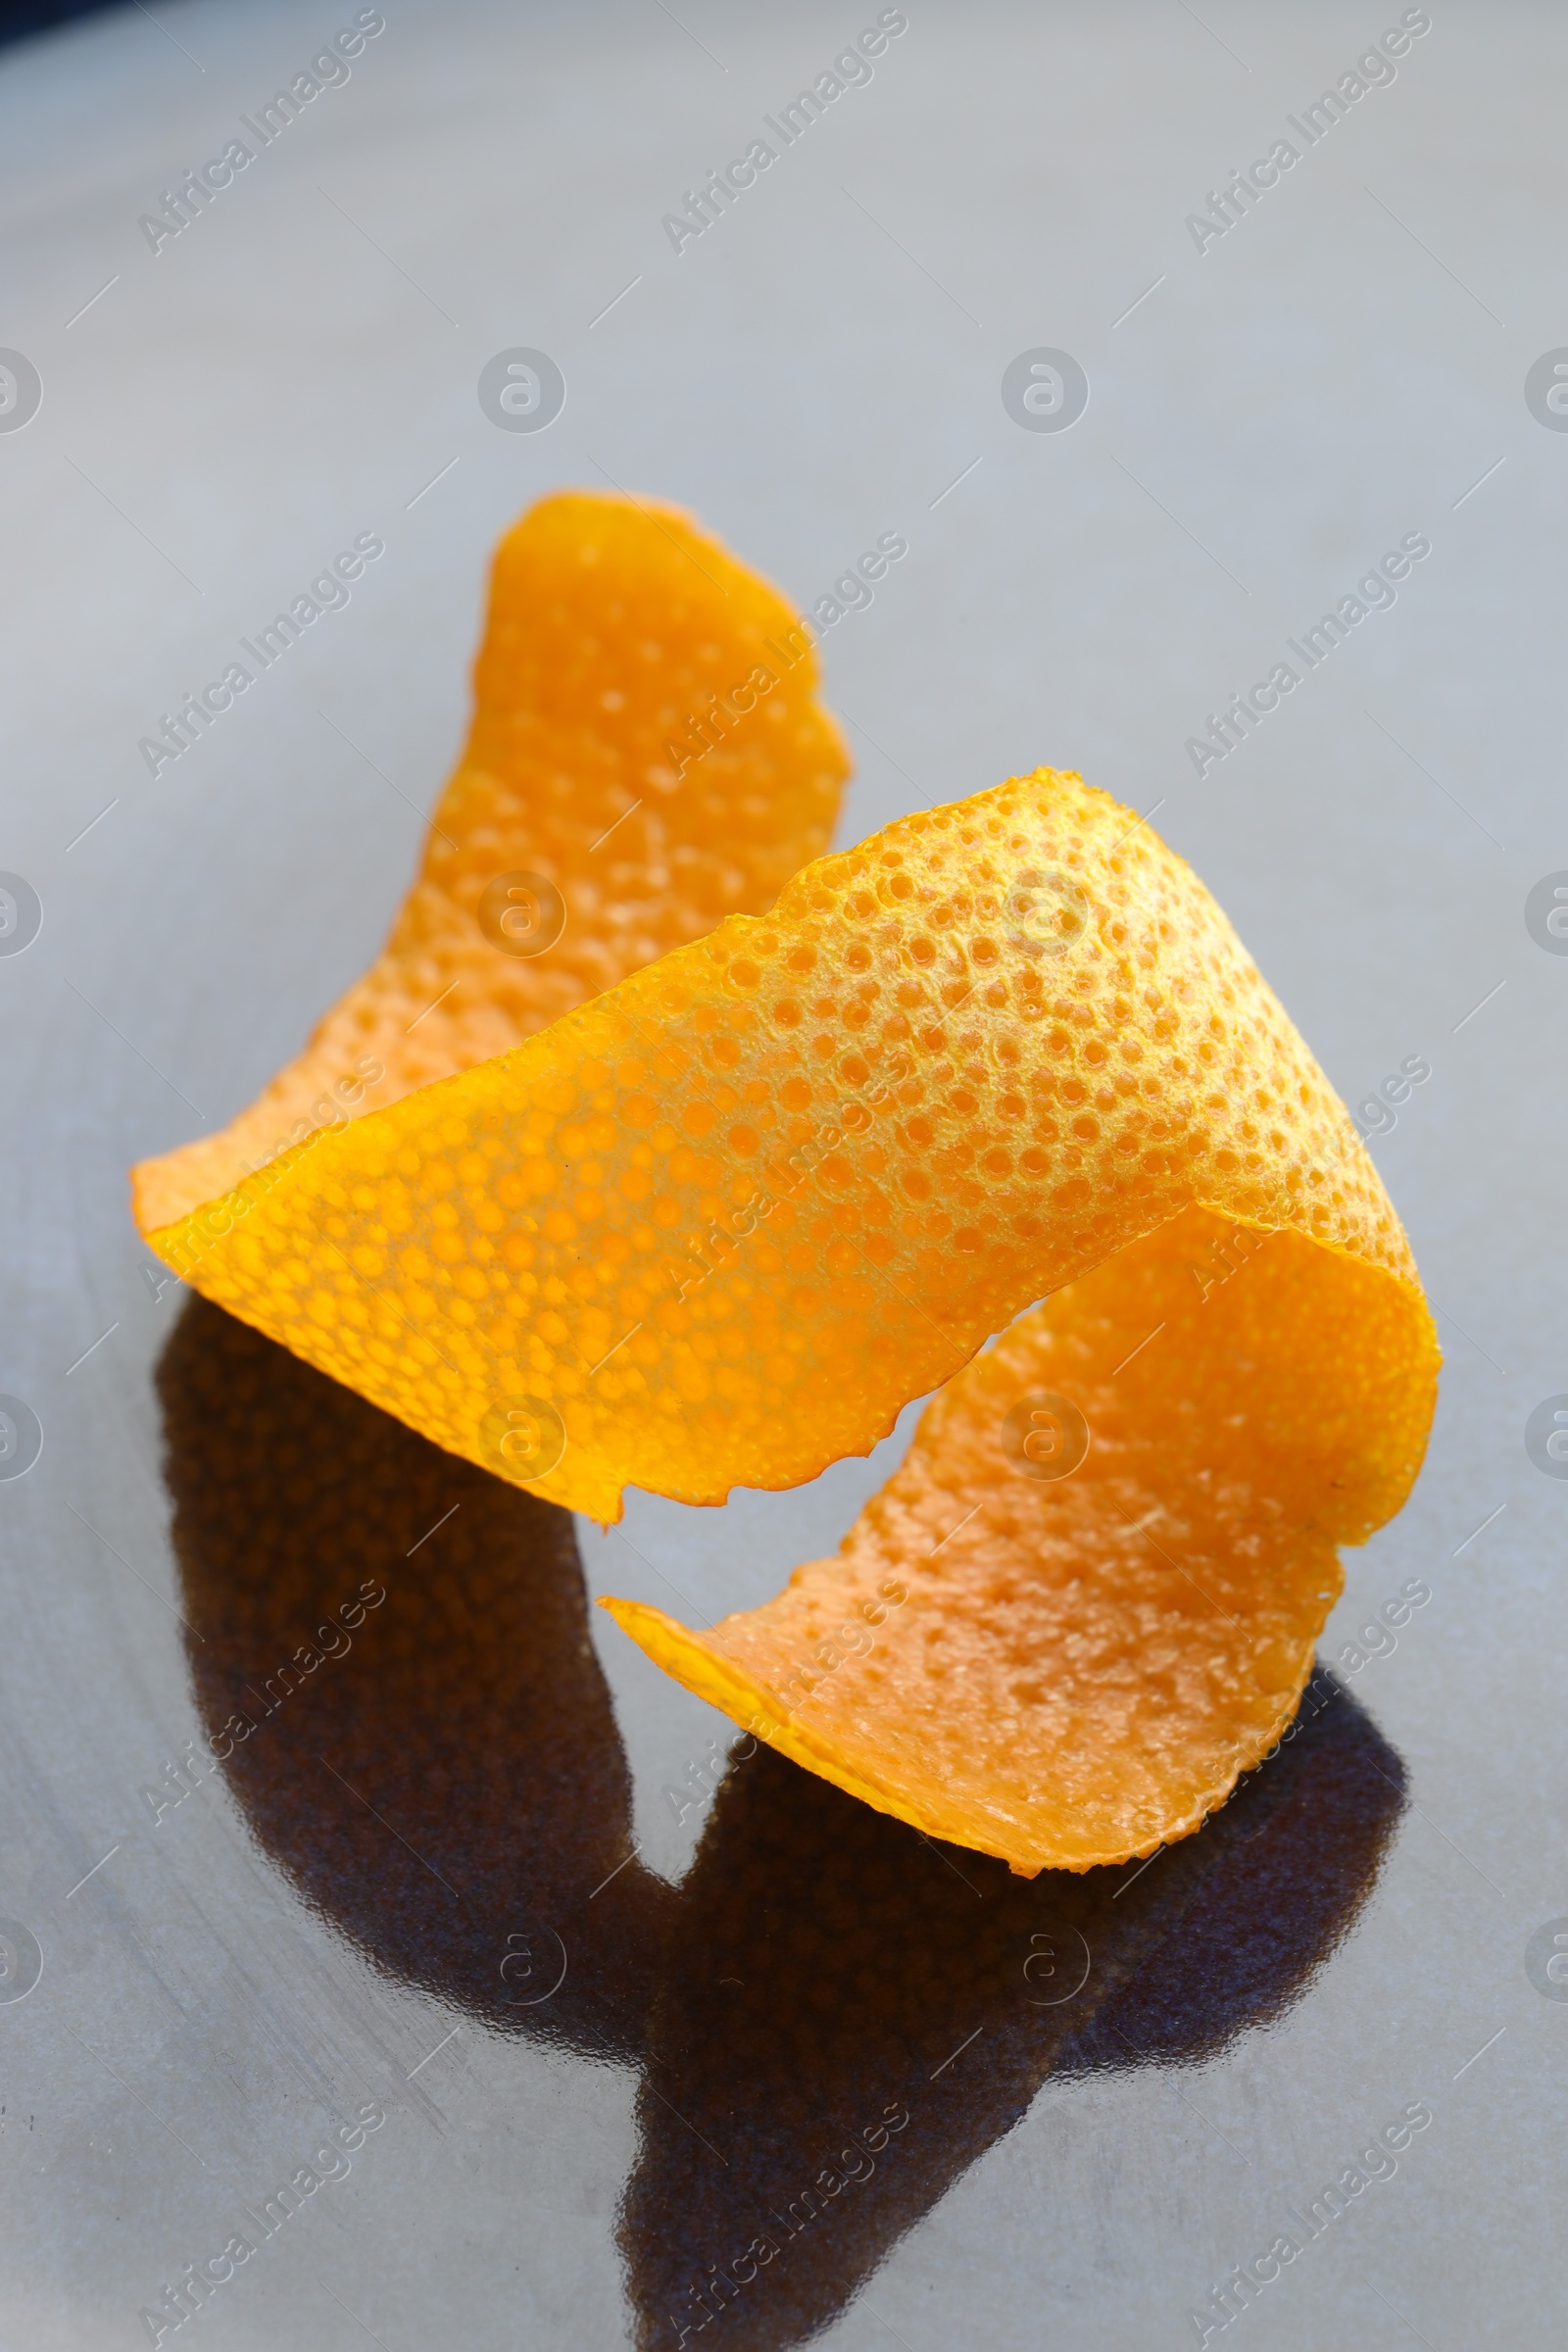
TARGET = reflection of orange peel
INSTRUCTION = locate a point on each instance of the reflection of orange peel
(715, 1227)
(624, 786)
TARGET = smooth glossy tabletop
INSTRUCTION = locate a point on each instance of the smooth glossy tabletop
(483, 1989)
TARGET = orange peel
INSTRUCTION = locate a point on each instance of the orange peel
(1066, 1671)
(1087, 1602)
(621, 773)
(718, 1225)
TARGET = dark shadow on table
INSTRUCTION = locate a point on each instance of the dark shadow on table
(851, 2016)
(834, 2017)
(438, 1771)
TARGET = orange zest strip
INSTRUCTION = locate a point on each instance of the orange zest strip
(626, 784)
(716, 1226)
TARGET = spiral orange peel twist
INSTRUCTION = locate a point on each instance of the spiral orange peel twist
(718, 1225)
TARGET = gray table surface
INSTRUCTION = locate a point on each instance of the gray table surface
(226, 1980)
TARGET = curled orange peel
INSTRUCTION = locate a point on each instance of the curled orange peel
(627, 782)
(1065, 1672)
(1087, 1601)
(718, 1224)
(715, 1227)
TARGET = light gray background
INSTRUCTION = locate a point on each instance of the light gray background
(1337, 371)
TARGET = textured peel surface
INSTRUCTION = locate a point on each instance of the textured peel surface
(715, 1227)
(1075, 1670)
(609, 758)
